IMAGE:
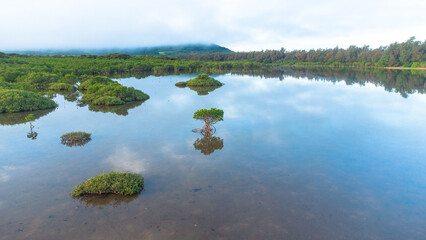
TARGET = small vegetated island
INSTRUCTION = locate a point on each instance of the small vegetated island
(101, 90)
(14, 100)
(124, 183)
(202, 84)
(76, 139)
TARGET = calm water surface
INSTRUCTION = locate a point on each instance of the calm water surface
(293, 159)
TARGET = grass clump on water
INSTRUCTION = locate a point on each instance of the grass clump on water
(75, 138)
(203, 80)
(124, 183)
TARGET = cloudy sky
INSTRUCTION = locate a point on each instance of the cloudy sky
(240, 25)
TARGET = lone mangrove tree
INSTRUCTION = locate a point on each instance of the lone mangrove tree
(209, 117)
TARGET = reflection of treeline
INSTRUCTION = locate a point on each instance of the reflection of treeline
(19, 117)
(118, 109)
(402, 81)
(407, 54)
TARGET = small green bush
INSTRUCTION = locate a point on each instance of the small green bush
(203, 80)
(13, 100)
(107, 101)
(61, 87)
(75, 138)
(124, 183)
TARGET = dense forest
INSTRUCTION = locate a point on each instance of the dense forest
(154, 51)
(411, 53)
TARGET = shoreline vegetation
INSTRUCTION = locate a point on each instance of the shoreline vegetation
(87, 78)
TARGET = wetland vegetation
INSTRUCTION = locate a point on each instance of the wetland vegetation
(124, 183)
(28, 80)
(209, 117)
(202, 84)
(76, 139)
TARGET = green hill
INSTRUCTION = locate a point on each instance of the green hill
(154, 51)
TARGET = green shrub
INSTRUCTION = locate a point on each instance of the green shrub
(103, 91)
(12, 100)
(124, 183)
(75, 139)
(203, 80)
(61, 87)
(93, 80)
(107, 101)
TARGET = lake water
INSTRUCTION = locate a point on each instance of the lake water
(294, 158)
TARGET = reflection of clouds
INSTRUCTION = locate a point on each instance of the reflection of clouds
(125, 159)
(396, 113)
(180, 99)
(5, 173)
(303, 102)
(169, 150)
(4, 176)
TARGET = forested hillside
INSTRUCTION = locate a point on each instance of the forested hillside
(154, 51)
(411, 53)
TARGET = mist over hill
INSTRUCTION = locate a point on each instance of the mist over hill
(154, 51)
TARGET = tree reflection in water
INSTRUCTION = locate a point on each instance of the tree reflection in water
(208, 144)
(117, 109)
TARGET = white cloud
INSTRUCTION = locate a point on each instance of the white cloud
(124, 159)
(238, 24)
(5, 172)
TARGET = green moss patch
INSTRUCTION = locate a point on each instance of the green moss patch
(203, 80)
(124, 183)
(13, 100)
(75, 139)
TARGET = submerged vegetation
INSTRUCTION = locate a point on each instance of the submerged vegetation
(75, 139)
(124, 183)
(209, 117)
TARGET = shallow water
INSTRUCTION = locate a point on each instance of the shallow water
(293, 159)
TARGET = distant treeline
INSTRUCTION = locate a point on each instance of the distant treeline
(411, 53)
(154, 51)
